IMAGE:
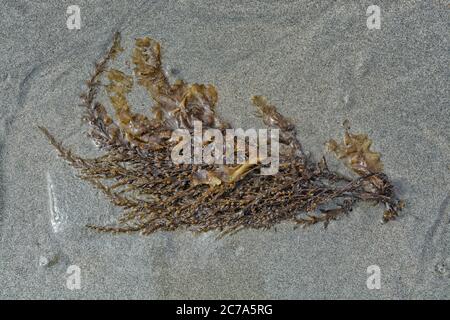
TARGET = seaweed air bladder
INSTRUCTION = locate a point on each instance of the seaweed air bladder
(136, 172)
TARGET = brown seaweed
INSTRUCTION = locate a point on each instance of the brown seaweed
(136, 172)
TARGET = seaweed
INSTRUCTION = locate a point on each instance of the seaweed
(136, 173)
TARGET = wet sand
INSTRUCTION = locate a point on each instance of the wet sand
(317, 61)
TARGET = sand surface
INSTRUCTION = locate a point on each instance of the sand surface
(316, 60)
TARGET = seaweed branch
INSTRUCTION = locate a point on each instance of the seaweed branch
(136, 172)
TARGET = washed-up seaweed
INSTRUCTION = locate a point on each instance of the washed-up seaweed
(136, 172)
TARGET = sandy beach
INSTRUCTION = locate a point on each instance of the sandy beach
(316, 60)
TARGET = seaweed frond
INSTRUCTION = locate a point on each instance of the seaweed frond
(355, 151)
(136, 172)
